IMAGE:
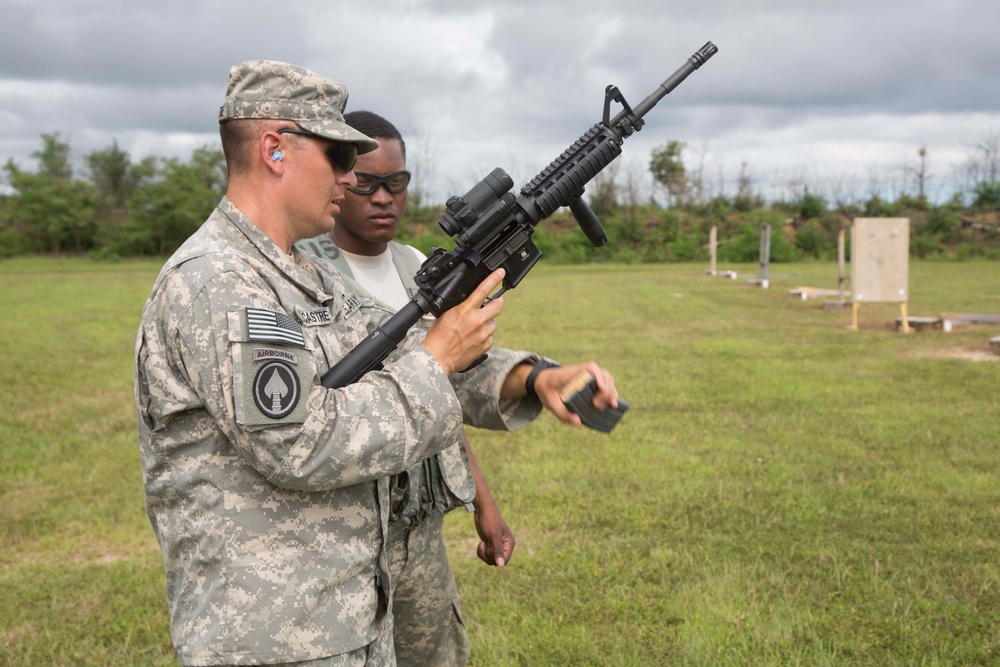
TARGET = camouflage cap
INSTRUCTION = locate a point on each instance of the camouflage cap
(279, 91)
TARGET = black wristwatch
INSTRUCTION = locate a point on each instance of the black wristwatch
(540, 365)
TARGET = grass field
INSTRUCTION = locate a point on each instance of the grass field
(784, 491)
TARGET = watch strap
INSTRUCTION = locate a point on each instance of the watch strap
(541, 365)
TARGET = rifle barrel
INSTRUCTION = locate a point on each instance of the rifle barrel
(674, 80)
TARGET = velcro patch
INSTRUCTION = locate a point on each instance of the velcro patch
(351, 303)
(314, 318)
(269, 326)
(276, 389)
(273, 368)
(264, 353)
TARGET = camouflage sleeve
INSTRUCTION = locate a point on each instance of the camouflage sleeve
(479, 393)
(328, 438)
(478, 390)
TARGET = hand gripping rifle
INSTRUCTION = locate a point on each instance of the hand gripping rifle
(492, 227)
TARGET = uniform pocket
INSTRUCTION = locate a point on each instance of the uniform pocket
(451, 480)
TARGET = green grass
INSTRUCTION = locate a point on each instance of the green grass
(783, 491)
(82, 579)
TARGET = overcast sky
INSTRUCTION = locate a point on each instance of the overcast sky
(826, 92)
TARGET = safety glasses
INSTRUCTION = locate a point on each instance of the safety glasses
(341, 155)
(394, 182)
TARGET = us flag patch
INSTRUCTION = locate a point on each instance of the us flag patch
(272, 327)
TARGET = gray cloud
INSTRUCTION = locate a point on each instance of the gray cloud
(142, 44)
(838, 84)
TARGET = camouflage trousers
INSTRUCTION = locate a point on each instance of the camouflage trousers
(357, 658)
(427, 619)
(377, 654)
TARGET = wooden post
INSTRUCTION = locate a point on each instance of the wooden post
(713, 244)
(841, 254)
(906, 319)
(855, 306)
(765, 254)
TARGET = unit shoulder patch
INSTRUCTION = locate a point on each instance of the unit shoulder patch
(276, 389)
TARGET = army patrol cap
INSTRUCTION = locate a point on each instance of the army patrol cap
(269, 89)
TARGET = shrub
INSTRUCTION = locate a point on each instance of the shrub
(926, 245)
(987, 195)
(942, 221)
(745, 247)
(810, 205)
(12, 243)
(686, 248)
(809, 239)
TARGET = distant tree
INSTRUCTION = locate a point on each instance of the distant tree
(981, 171)
(174, 204)
(686, 248)
(53, 158)
(907, 202)
(876, 207)
(920, 174)
(667, 167)
(745, 246)
(875, 188)
(631, 202)
(719, 207)
(745, 199)
(604, 191)
(944, 219)
(115, 180)
(987, 195)
(810, 205)
(113, 175)
(809, 239)
(53, 212)
(844, 193)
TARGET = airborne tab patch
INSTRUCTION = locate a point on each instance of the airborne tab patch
(265, 353)
(272, 327)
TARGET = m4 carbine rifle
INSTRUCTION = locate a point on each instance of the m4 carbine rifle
(492, 227)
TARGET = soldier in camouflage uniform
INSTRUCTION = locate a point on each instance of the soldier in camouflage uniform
(427, 624)
(266, 491)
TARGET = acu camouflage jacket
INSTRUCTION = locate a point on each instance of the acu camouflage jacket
(444, 481)
(267, 492)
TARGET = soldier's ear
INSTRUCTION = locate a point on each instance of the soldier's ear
(270, 151)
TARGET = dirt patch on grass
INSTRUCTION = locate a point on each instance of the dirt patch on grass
(14, 637)
(958, 353)
(76, 551)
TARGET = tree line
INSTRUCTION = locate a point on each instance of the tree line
(116, 207)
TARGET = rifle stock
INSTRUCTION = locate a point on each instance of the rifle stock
(492, 227)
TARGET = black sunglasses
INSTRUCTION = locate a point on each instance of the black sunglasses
(341, 155)
(394, 182)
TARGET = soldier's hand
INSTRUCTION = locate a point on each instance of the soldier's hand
(496, 542)
(464, 333)
(551, 381)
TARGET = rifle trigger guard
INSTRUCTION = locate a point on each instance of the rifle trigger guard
(495, 295)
